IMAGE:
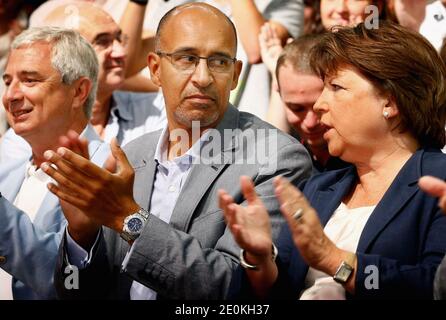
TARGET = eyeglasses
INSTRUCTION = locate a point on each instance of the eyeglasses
(105, 41)
(188, 62)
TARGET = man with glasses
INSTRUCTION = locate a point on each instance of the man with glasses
(187, 63)
(156, 229)
(124, 115)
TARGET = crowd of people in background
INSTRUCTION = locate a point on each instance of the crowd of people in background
(94, 174)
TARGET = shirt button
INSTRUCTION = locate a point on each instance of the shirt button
(2, 260)
(172, 189)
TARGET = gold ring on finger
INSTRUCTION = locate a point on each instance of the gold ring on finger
(298, 214)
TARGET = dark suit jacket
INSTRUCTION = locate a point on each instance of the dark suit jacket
(193, 256)
(405, 237)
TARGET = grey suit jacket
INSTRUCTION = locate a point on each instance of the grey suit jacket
(193, 256)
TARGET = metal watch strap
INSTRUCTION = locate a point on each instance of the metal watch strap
(144, 215)
(127, 237)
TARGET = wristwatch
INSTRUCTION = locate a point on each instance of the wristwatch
(345, 270)
(134, 224)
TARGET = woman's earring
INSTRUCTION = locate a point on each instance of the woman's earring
(386, 114)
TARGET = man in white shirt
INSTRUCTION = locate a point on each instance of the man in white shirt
(50, 80)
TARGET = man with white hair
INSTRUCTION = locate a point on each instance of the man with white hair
(124, 115)
(51, 80)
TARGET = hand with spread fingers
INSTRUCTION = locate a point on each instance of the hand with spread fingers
(315, 247)
(251, 228)
(250, 225)
(106, 198)
(79, 223)
(270, 46)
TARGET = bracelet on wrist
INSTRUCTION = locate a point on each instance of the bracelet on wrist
(246, 265)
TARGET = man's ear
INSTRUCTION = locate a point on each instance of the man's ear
(153, 62)
(237, 70)
(82, 87)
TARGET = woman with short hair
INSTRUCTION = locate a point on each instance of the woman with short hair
(365, 231)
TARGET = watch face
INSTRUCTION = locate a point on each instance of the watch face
(344, 274)
(134, 225)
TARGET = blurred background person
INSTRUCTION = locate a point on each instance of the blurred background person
(299, 88)
(347, 12)
(253, 91)
(408, 13)
(312, 17)
(326, 14)
(120, 114)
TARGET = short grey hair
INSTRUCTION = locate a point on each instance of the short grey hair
(71, 55)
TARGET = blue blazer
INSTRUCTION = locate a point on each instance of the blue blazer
(31, 248)
(405, 236)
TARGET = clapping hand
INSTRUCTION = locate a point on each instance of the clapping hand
(106, 198)
(249, 224)
(270, 47)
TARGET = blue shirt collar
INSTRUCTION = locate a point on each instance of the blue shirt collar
(120, 107)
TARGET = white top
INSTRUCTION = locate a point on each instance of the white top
(434, 24)
(33, 190)
(344, 228)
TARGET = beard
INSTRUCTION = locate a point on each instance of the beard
(205, 114)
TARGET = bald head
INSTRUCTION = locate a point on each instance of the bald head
(80, 16)
(103, 33)
(195, 91)
(186, 9)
